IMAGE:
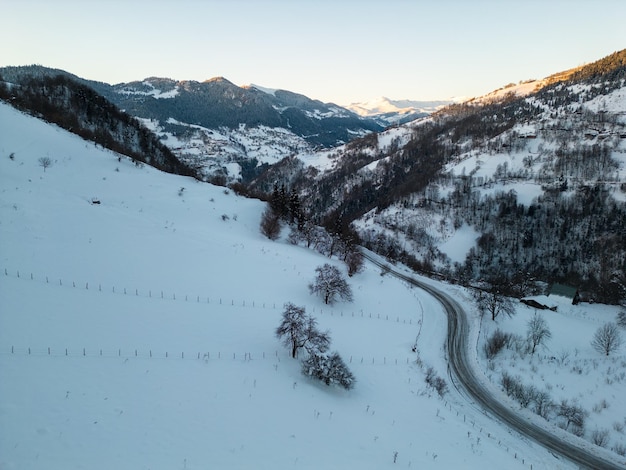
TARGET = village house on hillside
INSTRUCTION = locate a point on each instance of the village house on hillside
(543, 302)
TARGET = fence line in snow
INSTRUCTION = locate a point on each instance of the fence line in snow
(484, 432)
(208, 356)
(160, 294)
(148, 353)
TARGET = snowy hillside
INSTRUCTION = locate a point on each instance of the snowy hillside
(528, 161)
(528, 185)
(137, 326)
(225, 153)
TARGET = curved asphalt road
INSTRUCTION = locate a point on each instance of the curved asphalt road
(461, 370)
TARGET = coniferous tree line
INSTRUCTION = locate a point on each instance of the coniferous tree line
(338, 240)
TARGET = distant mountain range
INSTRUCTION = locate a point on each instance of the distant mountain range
(218, 103)
(230, 132)
(389, 112)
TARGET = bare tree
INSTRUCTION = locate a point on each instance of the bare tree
(537, 332)
(543, 404)
(573, 414)
(607, 339)
(299, 330)
(270, 224)
(355, 262)
(45, 162)
(621, 319)
(492, 302)
(329, 284)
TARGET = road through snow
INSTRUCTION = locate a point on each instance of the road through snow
(461, 372)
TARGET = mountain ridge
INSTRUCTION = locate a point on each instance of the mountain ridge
(524, 168)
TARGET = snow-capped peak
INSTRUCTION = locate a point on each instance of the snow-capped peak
(269, 91)
(385, 105)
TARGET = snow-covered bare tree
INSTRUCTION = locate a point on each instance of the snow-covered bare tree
(492, 302)
(621, 319)
(543, 404)
(298, 330)
(537, 332)
(330, 284)
(329, 368)
(572, 414)
(607, 339)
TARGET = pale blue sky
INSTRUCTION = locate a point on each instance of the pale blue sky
(332, 50)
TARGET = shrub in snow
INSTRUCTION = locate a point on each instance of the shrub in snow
(600, 437)
(270, 224)
(543, 404)
(436, 382)
(354, 260)
(330, 369)
(496, 342)
(619, 449)
(525, 394)
(514, 388)
(573, 415)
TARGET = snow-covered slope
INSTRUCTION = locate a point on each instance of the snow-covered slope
(228, 153)
(137, 331)
(521, 160)
(384, 105)
(389, 112)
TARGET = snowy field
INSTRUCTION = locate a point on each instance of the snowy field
(567, 367)
(138, 333)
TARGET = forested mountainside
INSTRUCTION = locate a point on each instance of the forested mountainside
(218, 103)
(74, 106)
(538, 181)
(228, 133)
